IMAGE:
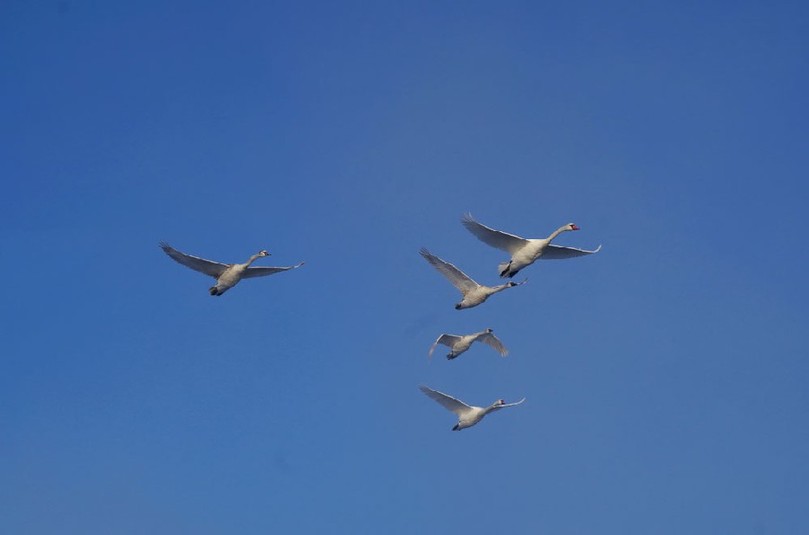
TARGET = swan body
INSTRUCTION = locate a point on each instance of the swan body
(468, 415)
(227, 275)
(460, 343)
(524, 251)
(473, 293)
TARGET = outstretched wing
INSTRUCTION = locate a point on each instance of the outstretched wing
(458, 278)
(496, 238)
(261, 271)
(558, 252)
(450, 403)
(448, 340)
(214, 269)
(493, 341)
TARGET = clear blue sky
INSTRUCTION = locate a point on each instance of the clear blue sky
(666, 377)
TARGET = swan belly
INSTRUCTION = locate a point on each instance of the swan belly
(460, 347)
(471, 418)
(229, 278)
(473, 298)
(526, 256)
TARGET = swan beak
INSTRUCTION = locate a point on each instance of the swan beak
(575, 227)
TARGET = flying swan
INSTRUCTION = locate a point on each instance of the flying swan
(227, 275)
(459, 343)
(524, 251)
(468, 415)
(473, 293)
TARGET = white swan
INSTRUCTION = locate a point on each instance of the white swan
(473, 293)
(524, 251)
(468, 415)
(227, 275)
(460, 343)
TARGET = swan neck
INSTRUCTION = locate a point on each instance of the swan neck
(558, 232)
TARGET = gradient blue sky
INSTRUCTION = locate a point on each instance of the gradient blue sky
(666, 376)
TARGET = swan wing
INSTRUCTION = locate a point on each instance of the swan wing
(559, 252)
(448, 340)
(512, 404)
(450, 403)
(496, 238)
(261, 271)
(458, 278)
(209, 267)
(493, 341)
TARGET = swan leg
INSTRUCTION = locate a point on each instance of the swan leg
(457, 427)
(504, 269)
(214, 290)
(451, 356)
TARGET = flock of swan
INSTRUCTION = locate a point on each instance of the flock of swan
(523, 251)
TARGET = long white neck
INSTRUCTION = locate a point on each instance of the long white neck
(506, 286)
(493, 407)
(253, 259)
(558, 231)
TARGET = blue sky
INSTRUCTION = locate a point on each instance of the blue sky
(665, 377)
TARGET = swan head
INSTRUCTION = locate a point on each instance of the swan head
(489, 330)
(572, 226)
(499, 403)
(263, 252)
(512, 284)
